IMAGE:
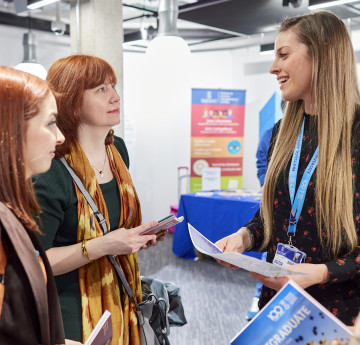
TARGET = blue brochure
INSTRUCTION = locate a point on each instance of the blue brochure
(292, 317)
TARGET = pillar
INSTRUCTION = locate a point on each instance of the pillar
(96, 29)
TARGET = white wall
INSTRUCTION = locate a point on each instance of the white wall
(252, 74)
(156, 151)
(49, 47)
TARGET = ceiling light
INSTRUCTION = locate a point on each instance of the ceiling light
(33, 4)
(29, 63)
(32, 68)
(168, 45)
(167, 41)
(316, 4)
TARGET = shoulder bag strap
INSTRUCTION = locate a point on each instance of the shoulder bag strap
(102, 222)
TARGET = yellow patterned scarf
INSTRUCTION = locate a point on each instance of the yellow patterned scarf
(98, 284)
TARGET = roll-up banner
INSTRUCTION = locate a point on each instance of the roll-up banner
(217, 135)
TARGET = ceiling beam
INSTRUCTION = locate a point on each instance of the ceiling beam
(199, 4)
(28, 22)
(141, 8)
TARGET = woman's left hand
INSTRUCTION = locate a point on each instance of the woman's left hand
(316, 274)
(159, 237)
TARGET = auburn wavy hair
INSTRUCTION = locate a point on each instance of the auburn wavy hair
(336, 94)
(21, 95)
(69, 77)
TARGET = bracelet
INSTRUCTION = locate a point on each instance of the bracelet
(83, 249)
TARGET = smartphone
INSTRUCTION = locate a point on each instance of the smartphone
(163, 225)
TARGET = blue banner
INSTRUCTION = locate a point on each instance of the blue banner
(206, 96)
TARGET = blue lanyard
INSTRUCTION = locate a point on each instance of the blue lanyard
(297, 202)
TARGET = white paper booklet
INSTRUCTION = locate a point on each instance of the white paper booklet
(205, 246)
(102, 333)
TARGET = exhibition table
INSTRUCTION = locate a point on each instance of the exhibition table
(212, 214)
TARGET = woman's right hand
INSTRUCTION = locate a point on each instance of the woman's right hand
(236, 243)
(120, 242)
(336, 342)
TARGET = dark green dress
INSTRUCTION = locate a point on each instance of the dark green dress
(55, 193)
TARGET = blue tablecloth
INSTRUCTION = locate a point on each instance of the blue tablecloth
(214, 216)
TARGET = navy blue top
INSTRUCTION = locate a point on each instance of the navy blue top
(262, 155)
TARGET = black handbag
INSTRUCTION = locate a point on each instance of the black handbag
(151, 312)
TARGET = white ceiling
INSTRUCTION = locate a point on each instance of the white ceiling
(217, 25)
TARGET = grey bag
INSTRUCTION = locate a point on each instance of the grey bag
(154, 308)
(147, 335)
(147, 310)
(144, 312)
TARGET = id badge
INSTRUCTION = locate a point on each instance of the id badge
(288, 255)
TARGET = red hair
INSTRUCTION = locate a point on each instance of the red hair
(69, 77)
(21, 95)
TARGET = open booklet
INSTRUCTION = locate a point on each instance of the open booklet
(205, 246)
(163, 224)
(292, 316)
(102, 333)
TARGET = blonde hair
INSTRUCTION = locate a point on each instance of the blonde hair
(335, 91)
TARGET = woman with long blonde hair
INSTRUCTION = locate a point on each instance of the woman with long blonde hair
(311, 195)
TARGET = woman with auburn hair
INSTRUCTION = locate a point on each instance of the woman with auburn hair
(89, 107)
(315, 146)
(29, 305)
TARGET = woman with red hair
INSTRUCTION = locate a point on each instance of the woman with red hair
(89, 107)
(29, 305)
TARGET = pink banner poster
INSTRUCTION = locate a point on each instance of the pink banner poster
(217, 120)
(217, 134)
(229, 166)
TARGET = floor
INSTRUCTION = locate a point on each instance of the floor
(215, 298)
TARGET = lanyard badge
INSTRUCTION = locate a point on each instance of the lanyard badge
(297, 200)
(287, 254)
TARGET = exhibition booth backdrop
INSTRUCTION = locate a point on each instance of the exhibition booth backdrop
(157, 108)
(158, 138)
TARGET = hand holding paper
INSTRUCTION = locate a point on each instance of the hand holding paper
(203, 245)
(233, 243)
(315, 274)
